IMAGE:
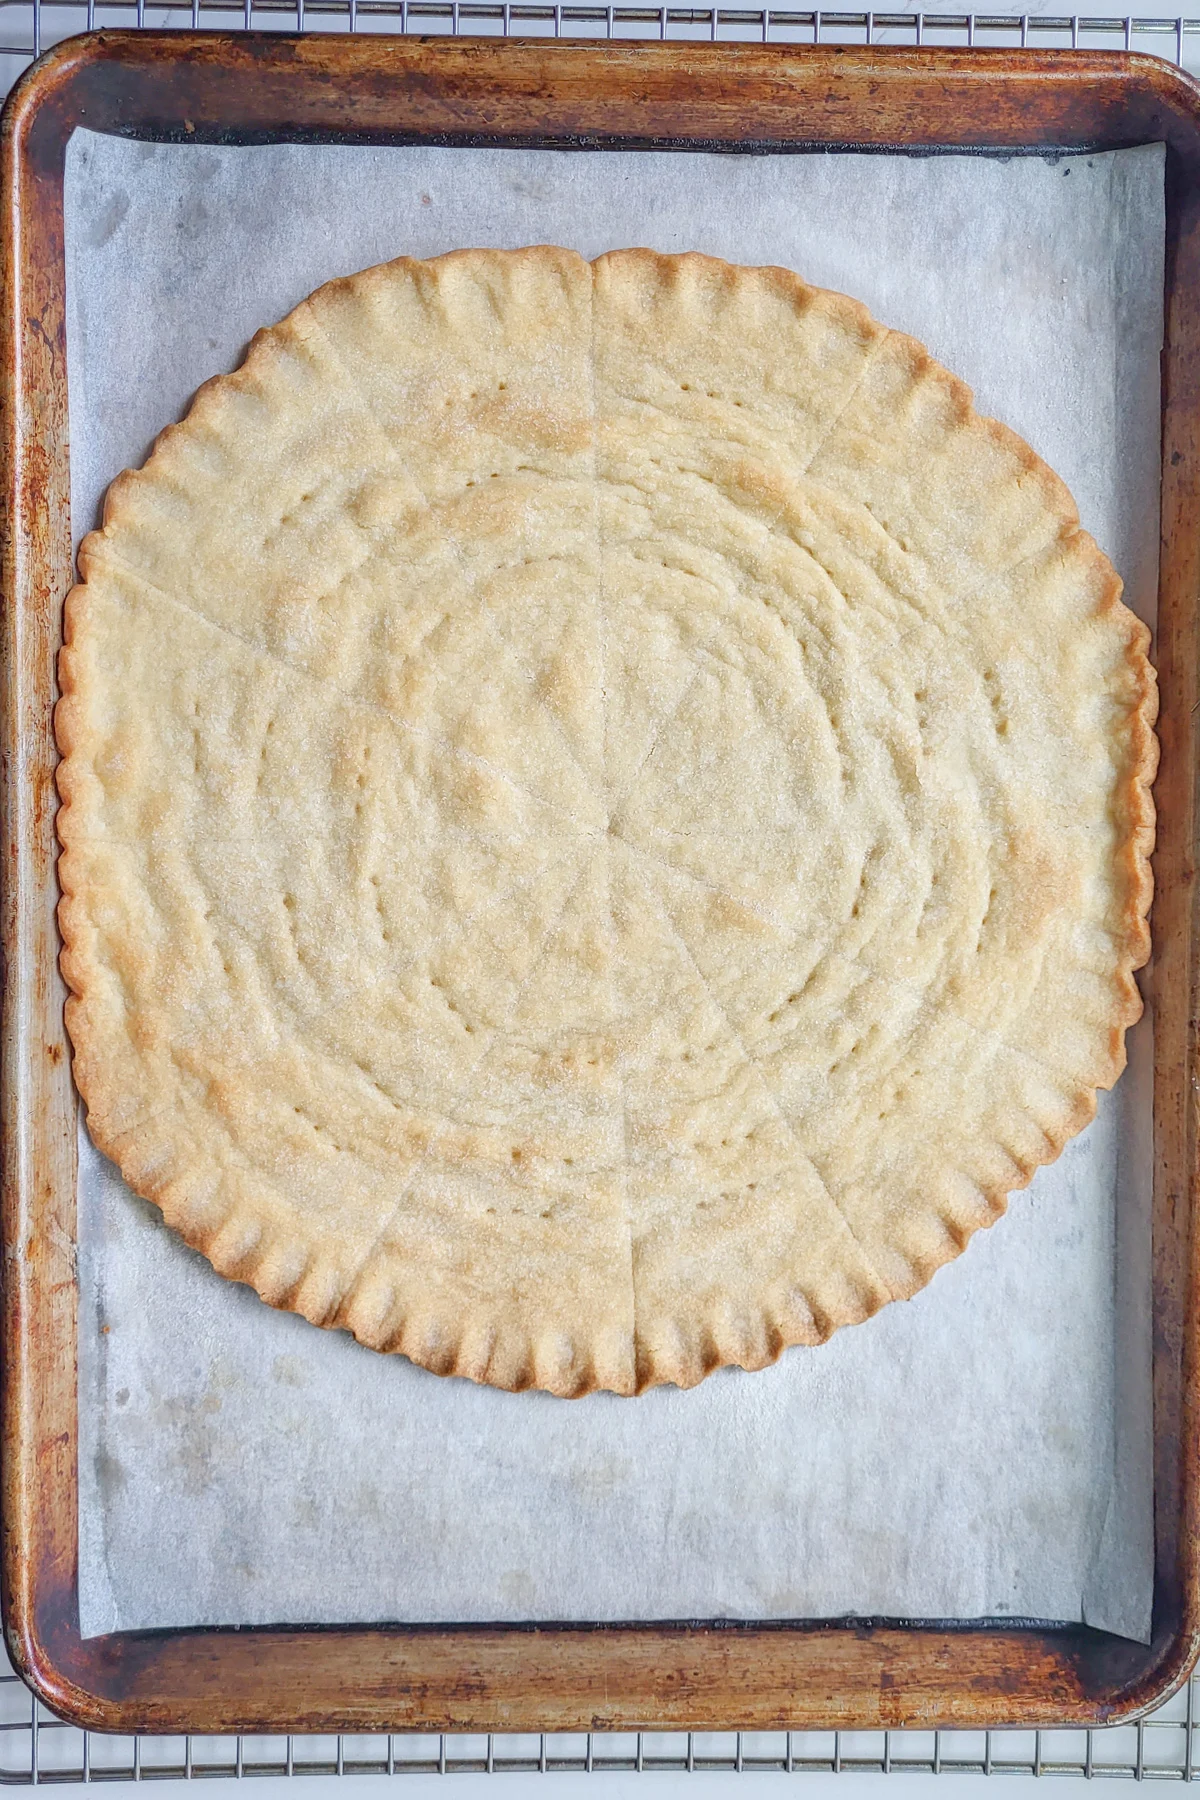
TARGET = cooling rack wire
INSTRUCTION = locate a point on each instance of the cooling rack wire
(35, 1747)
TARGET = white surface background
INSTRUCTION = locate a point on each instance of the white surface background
(846, 1785)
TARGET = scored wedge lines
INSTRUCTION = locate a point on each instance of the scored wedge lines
(752, 1061)
(707, 655)
(733, 691)
(346, 698)
(462, 1093)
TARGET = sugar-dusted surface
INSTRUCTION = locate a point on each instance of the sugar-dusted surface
(773, 1602)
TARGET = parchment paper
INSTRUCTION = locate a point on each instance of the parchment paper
(983, 1451)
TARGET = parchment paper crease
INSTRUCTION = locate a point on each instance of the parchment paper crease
(983, 1451)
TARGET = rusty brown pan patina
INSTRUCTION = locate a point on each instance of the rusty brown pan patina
(250, 88)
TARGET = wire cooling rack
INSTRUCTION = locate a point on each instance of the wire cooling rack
(36, 24)
(37, 1748)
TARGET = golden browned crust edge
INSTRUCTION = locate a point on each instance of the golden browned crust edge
(479, 1364)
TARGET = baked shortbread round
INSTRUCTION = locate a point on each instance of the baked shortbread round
(605, 816)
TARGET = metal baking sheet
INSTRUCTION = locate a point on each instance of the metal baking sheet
(983, 1451)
